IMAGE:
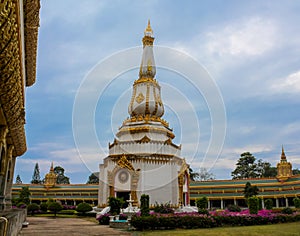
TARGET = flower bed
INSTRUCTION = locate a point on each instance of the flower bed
(214, 219)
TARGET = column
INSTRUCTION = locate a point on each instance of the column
(10, 176)
(222, 206)
(3, 165)
(277, 203)
(286, 202)
(235, 202)
(208, 204)
(263, 203)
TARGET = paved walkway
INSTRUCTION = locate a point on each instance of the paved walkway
(47, 226)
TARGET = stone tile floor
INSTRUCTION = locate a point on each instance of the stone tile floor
(47, 226)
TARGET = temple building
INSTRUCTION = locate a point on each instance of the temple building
(282, 189)
(19, 24)
(143, 158)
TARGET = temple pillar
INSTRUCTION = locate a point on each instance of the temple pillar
(234, 202)
(277, 202)
(10, 176)
(208, 204)
(3, 165)
(262, 204)
(286, 202)
(222, 204)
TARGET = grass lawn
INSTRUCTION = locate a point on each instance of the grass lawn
(287, 229)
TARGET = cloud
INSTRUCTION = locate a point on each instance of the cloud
(289, 84)
(252, 37)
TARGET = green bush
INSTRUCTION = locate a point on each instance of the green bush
(44, 207)
(163, 208)
(253, 204)
(115, 205)
(145, 205)
(269, 204)
(55, 207)
(32, 208)
(21, 205)
(296, 201)
(103, 219)
(83, 207)
(67, 212)
(203, 211)
(287, 210)
(260, 203)
(202, 203)
(233, 208)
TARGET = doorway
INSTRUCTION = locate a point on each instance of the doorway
(124, 196)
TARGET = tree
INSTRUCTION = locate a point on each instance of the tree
(145, 205)
(36, 178)
(55, 207)
(269, 204)
(18, 180)
(253, 205)
(204, 175)
(193, 175)
(83, 208)
(60, 173)
(264, 169)
(24, 195)
(247, 167)
(115, 205)
(296, 171)
(32, 208)
(202, 204)
(250, 191)
(93, 178)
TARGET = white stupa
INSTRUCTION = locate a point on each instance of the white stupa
(143, 159)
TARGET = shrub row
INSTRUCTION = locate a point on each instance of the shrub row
(154, 222)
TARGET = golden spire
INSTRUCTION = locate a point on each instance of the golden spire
(148, 30)
(283, 157)
(284, 168)
(51, 167)
(147, 69)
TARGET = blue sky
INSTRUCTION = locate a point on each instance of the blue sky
(251, 49)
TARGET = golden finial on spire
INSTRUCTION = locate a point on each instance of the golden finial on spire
(283, 157)
(51, 167)
(148, 30)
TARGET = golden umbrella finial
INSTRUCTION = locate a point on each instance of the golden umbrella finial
(149, 29)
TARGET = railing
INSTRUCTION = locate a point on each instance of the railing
(5, 225)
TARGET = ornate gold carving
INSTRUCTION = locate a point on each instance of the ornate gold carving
(284, 168)
(12, 79)
(147, 111)
(148, 29)
(140, 98)
(50, 178)
(146, 80)
(3, 133)
(31, 18)
(148, 41)
(131, 112)
(146, 129)
(149, 118)
(145, 139)
(124, 163)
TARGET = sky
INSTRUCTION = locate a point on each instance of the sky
(245, 95)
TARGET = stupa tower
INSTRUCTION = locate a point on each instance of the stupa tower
(143, 158)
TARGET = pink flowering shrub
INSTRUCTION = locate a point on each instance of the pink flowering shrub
(214, 219)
